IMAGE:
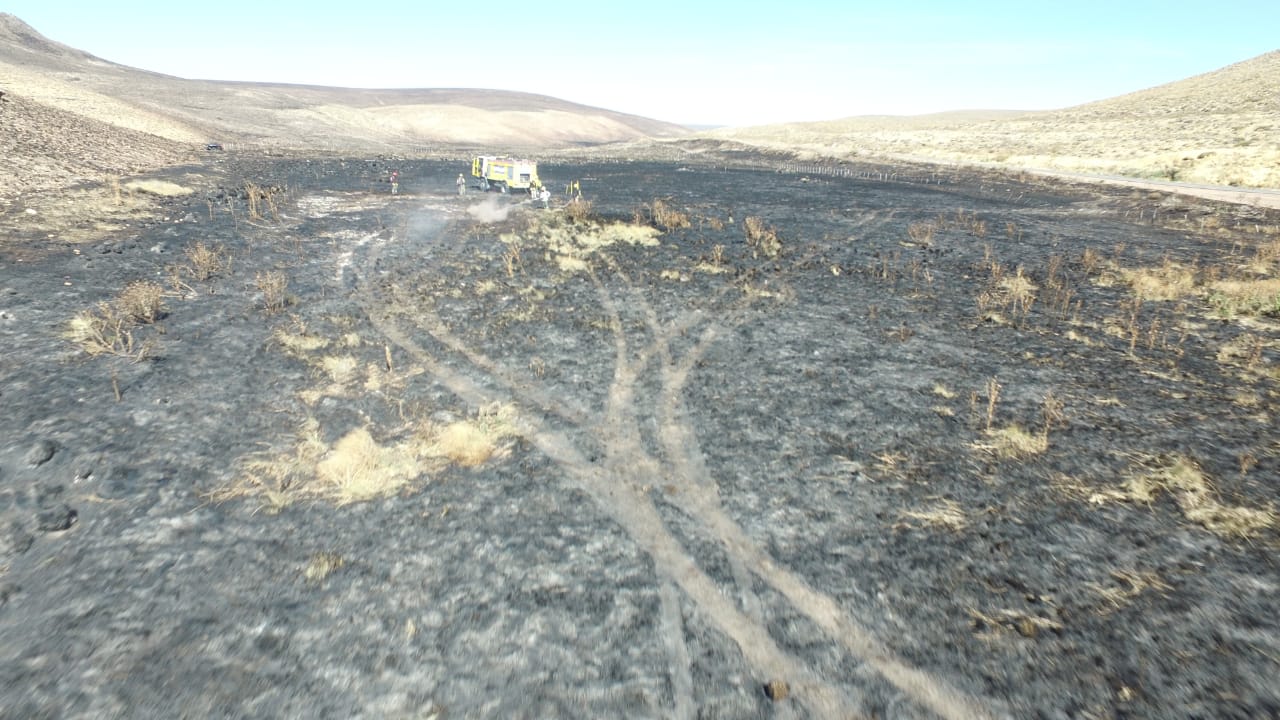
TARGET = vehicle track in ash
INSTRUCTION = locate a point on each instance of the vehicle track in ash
(601, 453)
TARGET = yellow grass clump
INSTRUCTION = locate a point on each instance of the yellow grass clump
(162, 188)
(1182, 478)
(1169, 281)
(357, 468)
(946, 514)
(474, 441)
(1014, 443)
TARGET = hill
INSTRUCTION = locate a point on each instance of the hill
(118, 114)
(1220, 128)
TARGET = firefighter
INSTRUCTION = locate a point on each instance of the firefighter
(462, 185)
(395, 181)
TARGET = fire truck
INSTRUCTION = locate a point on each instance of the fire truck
(505, 173)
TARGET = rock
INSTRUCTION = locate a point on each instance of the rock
(7, 590)
(14, 540)
(41, 453)
(56, 519)
(777, 690)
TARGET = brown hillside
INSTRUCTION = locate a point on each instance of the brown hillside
(43, 147)
(1220, 128)
(291, 116)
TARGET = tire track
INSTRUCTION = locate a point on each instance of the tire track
(620, 485)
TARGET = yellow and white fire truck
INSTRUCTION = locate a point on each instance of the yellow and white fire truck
(505, 173)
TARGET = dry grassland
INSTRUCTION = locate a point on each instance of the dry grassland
(1220, 128)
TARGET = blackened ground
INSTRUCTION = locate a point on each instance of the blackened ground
(811, 421)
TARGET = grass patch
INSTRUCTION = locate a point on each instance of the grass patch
(946, 514)
(1013, 443)
(1181, 478)
(160, 188)
(570, 246)
(1232, 298)
(358, 469)
(477, 440)
(665, 217)
(1169, 281)
(340, 369)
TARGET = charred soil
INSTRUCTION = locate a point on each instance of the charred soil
(714, 441)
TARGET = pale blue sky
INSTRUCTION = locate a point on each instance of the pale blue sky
(736, 63)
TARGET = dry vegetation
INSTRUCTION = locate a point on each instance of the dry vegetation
(109, 327)
(1219, 128)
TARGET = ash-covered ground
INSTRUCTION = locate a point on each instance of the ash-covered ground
(745, 443)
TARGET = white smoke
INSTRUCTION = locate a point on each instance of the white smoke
(489, 210)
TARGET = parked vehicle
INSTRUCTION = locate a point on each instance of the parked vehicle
(505, 173)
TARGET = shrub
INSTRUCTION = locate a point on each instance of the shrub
(762, 238)
(579, 211)
(205, 262)
(141, 302)
(273, 285)
(921, 233)
(665, 217)
(104, 330)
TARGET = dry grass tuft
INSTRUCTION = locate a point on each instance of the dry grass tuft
(475, 441)
(946, 514)
(141, 301)
(107, 329)
(205, 261)
(666, 217)
(273, 285)
(357, 469)
(322, 565)
(1182, 478)
(1013, 443)
(161, 188)
(921, 233)
(580, 211)
(762, 238)
(1170, 281)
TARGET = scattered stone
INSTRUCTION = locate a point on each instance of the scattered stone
(7, 590)
(14, 540)
(41, 453)
(56, 519)
(777, 690)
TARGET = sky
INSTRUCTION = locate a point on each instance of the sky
(699, 63)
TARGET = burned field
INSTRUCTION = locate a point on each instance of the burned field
(715, 442)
